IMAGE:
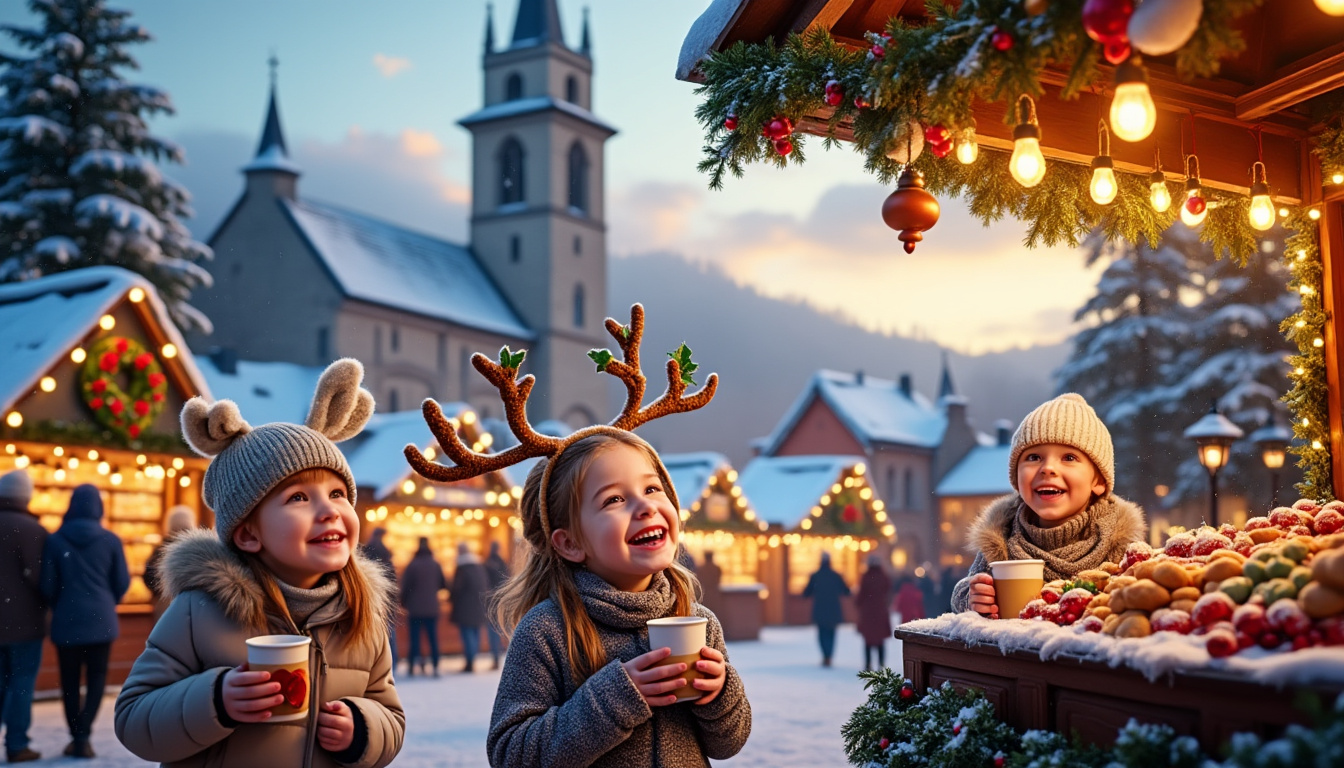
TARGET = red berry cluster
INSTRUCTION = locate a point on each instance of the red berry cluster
(835, 93)
(1002, 40)
(939, 140)
(778, 129)
(1107, 22)
(879, 48)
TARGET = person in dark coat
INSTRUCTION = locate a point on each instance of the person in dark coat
(826, 587)
(420, 585)
(378, 552)
(470, 583)
(84, 576)
(23, 622)
(496, 573)
(872, 602)
(180, 518)
(909, 601)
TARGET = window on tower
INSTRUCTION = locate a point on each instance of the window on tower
(578, 245)
(578, 178)
(572, 90)
(511, 187)
(515, 249)
(513, 87)
(578, 305)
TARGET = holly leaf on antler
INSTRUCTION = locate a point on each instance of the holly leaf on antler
(625, 331)
(683, 357)
(602, 357)
(511, 360)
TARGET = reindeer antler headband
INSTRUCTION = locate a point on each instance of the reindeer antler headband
(532, 444)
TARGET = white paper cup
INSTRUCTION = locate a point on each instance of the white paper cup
(1016, 583)
(685, 635)
(286, 658)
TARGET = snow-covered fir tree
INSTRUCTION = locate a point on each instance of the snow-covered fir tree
(79, 183)
(1134, 328)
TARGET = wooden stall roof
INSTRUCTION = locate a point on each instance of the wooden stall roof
(1293, 54)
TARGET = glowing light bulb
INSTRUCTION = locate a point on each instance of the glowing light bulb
(169, 350)
(48, 384)
(14, 419)
(1331, 7)
(107, 322)
(136, 295)
(1337, 178)
(1158, 194)
(1193, 213)
(1103, 186)
(1133, 114)
(1027, 164)
(967, 148)
(1314, 214)
(77, 355)
(1261, 212)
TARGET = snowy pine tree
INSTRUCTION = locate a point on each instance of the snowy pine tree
(79, 184)
(1135, 326)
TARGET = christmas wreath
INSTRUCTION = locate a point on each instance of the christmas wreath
(127, 410)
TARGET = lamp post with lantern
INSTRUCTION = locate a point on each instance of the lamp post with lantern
(1272, 439)
(1214, 434)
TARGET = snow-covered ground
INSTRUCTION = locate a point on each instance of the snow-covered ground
(798, 708)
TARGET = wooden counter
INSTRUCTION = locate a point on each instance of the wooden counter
(1095, 700)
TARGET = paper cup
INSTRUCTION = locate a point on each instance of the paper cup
(1016, 583)
(685, 635)
(286, 658)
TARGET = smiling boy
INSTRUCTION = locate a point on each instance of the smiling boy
(1063, 509)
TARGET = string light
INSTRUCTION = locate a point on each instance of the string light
(14, 419)
(1337, 178)
(136, 295)
(1284, 212)
(169, 350)
(1194, 208)
(1027, 164)
(1314, 214)
(1133, 114)
(77, 355)
(967, 147)
(1158, 194)
(48, 384)
(107, 322)
(1103, 186)
(1331, 7)
(1261, 211)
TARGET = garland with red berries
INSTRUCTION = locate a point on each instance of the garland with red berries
(129, 411)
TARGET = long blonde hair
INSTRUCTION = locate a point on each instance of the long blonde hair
(545, 574)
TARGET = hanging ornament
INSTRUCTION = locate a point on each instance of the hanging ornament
(1133, 114)
(1158, 194)
(1027, 164)
(910, 209)
(1103, 187)
(1331, 7)
(1195, 207)
(939, 140)
(1262, 208)
(835, 93)
(907, 690)
(1116, 50)
(783, 146)
(861, 103)
(730, 123)
(1159, 27)
(907, 145)
(1001, 40)
(967, 148)
(777, 128)
(1107, 19)
(1035, 7)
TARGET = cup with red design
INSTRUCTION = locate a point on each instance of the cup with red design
(685, 635)
(286, 658)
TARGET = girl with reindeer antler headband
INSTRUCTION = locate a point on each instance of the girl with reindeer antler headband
(581, 685)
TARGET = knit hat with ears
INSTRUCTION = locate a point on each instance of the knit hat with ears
(250, 462)
(1066, 420)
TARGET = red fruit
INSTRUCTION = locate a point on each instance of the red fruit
(1107, 19)
(95, 403)
(861, 103)
(155, 379)
(1116, 50)
(116, 406)
(1329, 521)
(1207, 541)
(1002, 41)
(730, 122)
(833, 98)
(999, 760)
(883, 743)
(109, 362)
(1089, 624)
(1270, 640)
(783, 146)
(1221, 626)
(1075, 600)
(1332, 629)
(122, 345)
(1300, 642)
(776, 128)
(1245, 641)
(1033, 609)
(1195, 205)
(877, 51)
(940, 150)
(1249, 618)
(1136, 552)
(1256, 523)
(1221, 644)
(133, 430)
(1285, 518)
(1286, 617)
(1315, 637)
(1066, 618)
(1299, 530)
(1050, 596)
(936, 134)
(1180, 545)
(158, 397)
(141, 407)
(1051, 613)
(1227, 529)
(1307, 505)
(1242, 543)
(99, 386)
(1171, 620)
(1212, 608)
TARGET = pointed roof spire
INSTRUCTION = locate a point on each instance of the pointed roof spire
(489, 28)
(945, 386)
(538, 22)
(272, 154)
(586, 46)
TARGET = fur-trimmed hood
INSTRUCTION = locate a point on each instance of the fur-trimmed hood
(198, 560)
(1117, 521)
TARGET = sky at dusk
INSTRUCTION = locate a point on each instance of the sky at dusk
(370, 94)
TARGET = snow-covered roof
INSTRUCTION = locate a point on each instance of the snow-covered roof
(379, 262)
(875, 410)
(706, 32)
(265, 392)
(530, 105)
(983, 472)
(377, 460)
(41, 320)
(690, 472)
(783, 489)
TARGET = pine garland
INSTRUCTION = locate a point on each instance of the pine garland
(87, 433)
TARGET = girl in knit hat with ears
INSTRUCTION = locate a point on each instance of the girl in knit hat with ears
(1063, 509)
(281, 560)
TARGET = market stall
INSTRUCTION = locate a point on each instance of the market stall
(94, 376)
(814, 504)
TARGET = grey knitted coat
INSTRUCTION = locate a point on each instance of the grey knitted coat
(542, 717)
(1004, 531)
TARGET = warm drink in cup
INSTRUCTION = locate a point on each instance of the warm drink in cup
(286, 658)
(1016, 582)
(685, 635)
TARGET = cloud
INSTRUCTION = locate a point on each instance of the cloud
(390, 66)
(420, 143)
(970, 287)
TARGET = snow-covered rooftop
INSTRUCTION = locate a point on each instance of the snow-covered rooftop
(690, 473)
(265, 392)
(875, 410)
(41, 320)
(783, 489)
(983, 472)
(377, 461)
(530, 105)
(382, 263)
(705, 33)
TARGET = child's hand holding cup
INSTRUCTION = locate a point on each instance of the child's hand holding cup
(272, 660)
(684, 636)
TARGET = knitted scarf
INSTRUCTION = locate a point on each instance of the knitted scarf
(1101, 532)
(610, 606)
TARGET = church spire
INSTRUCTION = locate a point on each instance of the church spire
(489, 28)
(272, 136)
(272, 156)
(538, 22)
(586, 46)
(945, 386)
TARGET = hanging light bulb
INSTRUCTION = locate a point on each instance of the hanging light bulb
(967, 147)
(1332, 7)
(1103, 186)
(1133, 114)
(1158, 194)
(1027, 164)
(1262, 208)
(1195, 207)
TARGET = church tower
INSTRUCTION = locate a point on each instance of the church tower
(538, 221)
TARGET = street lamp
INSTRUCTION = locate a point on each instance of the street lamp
(1214, 434)
(1272, 439)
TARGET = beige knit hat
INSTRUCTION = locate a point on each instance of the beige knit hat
(1067, 420)
(250, 462)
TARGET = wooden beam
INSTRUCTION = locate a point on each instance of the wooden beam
(1303, 82)
(820, 13)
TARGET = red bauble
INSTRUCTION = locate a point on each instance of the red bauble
(878, 51)
(1107, 19)
(776, 128)
(861, 103)
(910, 209)
(833, 85)
(999, 761)
(1002, 41)
(1116, 50)
(883, 743)
(850, 514)
(907, 691)
(1195, 205)
(730, 123)
(783, 146)
(936, 134)
(940, 150)
(834, 98)
(133, 430)
(956, 728)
